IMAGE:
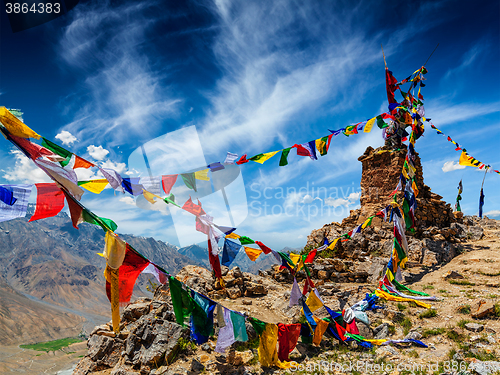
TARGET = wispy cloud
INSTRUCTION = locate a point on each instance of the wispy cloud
(123, 93)
(24, 170)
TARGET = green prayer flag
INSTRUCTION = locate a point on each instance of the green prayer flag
(258, 325)
(181, 300)
(105, 224)
(171, 199)
(401, 288)
(381, 123)
(189, 180)
(284, 156)
(246, 240)
(256, 157)
(324, 150)
(56, 149)
(399, 250)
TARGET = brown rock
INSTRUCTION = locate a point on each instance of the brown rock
(322, 275)
(254, 289)
(233, 292)
(453, 275)
(483, 309)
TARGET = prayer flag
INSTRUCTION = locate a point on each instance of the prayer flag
(288, 335)
(243, 160)
(230, 158)
(189, 180)
(233, 235)
(313, 302)
(49, 201)
(229, 252)
(32, 150)
(295, 294)
(390, 85)
(7, 195)
(252, 253)
(167, 182)
(16, 126)
(82, 163)
(58, 150)
(94, 186)
(202, 175)
(244, 240)
(217, 166)
(152, 184)
(369, 125)
(284, 156)
(310, 256)
(261, 158)
(132, 185)
(21, 194)
(226, 333)
(239, 328)
(113, 177)
(156, 272)
(467, 160)
(114, 250)
(263, 247)
(321, 328)
(202, 317)
(132, 266)
(481, 203)
(193, 208)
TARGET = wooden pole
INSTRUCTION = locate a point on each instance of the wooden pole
(383, 54)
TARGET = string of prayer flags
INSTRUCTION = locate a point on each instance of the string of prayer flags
(94, 186)
(252, 253)
(229, 252)
(189, 180)
(15, 126)
(202, 175)
(261, 158)
(49, 201)
(284, 156)
(19, 200)
(7, 195)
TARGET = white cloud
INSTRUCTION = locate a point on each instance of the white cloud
(451, 166)
(66, 137)
(346, 202)
(97, 152)
(127, 200)
(118, 167)
(24, 170)
(493, 213)
(299, 198)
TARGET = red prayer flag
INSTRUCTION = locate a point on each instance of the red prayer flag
(243, 160)
(308, 286)
(33, 150)
(49, 201)
(310, 256)
(133, 264)
(288, 335)
(75, 210)
(301, 150)
(214, 261)
(193, 208)
(82, 163)
(390, 85)
(263, 247)
(167, 182)
(340, 331)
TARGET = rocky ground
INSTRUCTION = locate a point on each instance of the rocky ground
(462, 329)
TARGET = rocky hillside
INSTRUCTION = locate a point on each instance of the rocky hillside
(463, 325)
(57, 266)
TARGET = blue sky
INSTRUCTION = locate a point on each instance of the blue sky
(251, 77)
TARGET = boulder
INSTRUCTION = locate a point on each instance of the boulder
(474, 327)
(254, 289)
(483, 310)
(164, 344)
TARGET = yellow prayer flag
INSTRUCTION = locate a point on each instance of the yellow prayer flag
(265, 157)
(466, 160)
(321, 328)
(114, 250)
(15, 126)
(376, 341)
(150, 197)
(94, 186)
(390, 297)
(296, 258)
(405, 173)
(233, 236)
(111, 276)
(369, 125)
(268, 351)
(332, 245)
(313, 302)
(252, 253)
(320, 144)
(202, 175)
(414, 187)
